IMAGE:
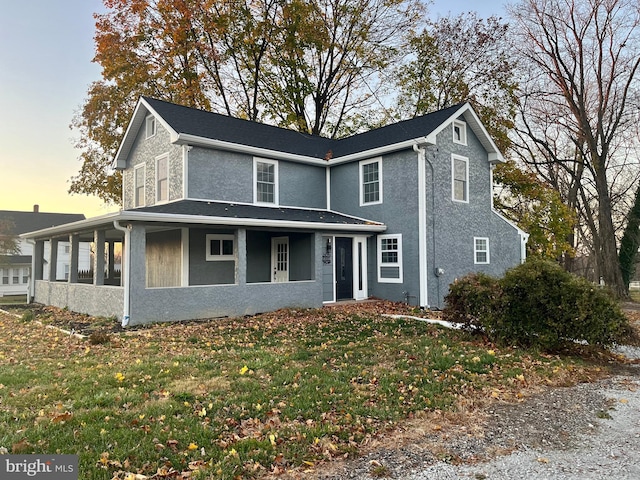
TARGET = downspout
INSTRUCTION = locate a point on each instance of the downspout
(422, 224)
(126, 268)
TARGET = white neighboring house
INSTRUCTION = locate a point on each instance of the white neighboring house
(15, 270)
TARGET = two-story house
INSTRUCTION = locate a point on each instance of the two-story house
(226, 217)
(15, 269)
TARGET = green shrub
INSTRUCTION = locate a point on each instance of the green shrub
(538, 304)
(472, 301)
(28, 316)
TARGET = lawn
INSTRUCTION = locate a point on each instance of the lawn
(247, 397)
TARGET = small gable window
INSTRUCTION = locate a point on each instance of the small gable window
(459, 132)
(138, 185)
(162, 178)
(265, 174)
(390, 258)
(460, 178)
(371, 181)
(150, 126)
(219, 247)
(481, 250)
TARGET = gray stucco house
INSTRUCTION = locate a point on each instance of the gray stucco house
(225, 217)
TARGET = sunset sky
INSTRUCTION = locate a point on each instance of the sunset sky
(46, 48)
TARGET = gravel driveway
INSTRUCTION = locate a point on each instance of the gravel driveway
(587, 432)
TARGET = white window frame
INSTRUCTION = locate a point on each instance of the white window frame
(159, 158)
(361, 166)
(477, 251)
(136, 186)
(455, 158)
(462, 126)
(398, 264)
(211, 257)
(150, 126)
(276, 193)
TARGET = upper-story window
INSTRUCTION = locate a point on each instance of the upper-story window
(265, 181)
(460, 178)
(481, 250)
(162, 178)
(150, 126)
(371, 181)
(459, 132)
(138, 185)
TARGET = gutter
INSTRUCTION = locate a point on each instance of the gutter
(126, 270)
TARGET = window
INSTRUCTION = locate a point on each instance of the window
(66, 271)
(5, 276)
(460, 178)
(481, 250)
(25, 275)
(265, 174)
(138, 186)
(162, 178)
(390, 258)
(150, 126)
(15, 278)
(371, 181)
(67, 249)
(219, 247)
(459, 132)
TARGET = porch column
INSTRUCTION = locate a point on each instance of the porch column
(37, 261)
(74, 240)
(317, 263)
(241, 265)
(98, 257)
(53, 260)
(136, 271)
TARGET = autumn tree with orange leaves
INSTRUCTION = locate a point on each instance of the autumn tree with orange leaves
(312, 66)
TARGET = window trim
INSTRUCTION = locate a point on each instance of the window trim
(210, 257)
(361, 164)
(136, 186)
(158, 159)
(398, 264)
(455, 157)
(463, 132)
(276, 189)
(476, 251)
(150, 126)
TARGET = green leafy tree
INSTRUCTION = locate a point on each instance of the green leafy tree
(536, 208)
(458, 59)
(630, 242)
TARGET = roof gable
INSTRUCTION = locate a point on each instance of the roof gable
(192, 126)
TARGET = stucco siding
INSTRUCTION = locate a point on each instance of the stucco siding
(103, 301)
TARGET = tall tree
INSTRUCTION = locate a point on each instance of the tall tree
(457, 59)
(581, 58)
(303, 64)
(630, 242)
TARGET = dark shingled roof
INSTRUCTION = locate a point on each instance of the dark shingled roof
(234, 210)
(24, 222)
(214, 126)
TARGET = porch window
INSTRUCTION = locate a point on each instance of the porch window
(219, 247)
(162, 178)
(481, 250)
(371, 181)
(390, 258)
(265, 174)
(138, 185)
(459, 132)
(460, 178)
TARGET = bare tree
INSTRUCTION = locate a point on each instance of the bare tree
(582, 59)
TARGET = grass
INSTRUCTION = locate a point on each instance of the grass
(13, 300)
(241, 398)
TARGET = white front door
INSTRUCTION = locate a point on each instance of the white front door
(280, 259)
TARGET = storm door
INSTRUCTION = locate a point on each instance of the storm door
(280, 259)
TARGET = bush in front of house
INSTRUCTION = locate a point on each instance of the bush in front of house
(473, 300)
(539, 305)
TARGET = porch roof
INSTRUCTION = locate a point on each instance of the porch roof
(202, 212)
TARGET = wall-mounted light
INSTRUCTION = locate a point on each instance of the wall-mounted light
(328, 246)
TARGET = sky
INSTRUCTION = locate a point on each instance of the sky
(46, 52)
